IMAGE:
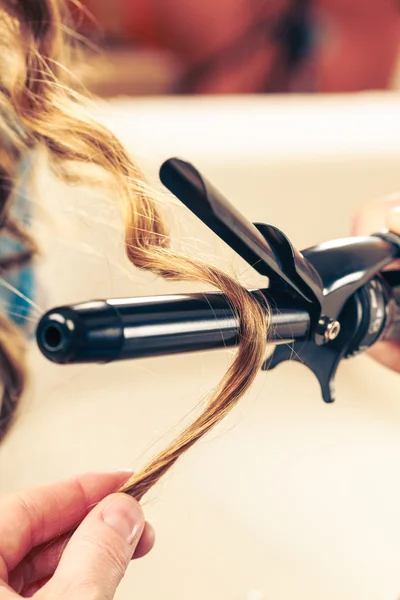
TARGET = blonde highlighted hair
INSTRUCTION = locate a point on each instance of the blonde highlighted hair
(39, 107)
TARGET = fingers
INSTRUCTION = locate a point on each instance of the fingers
(6, 593)
(384, 214)
(34, 588)
(34, 517)
(146, 542)
(388, 354)
(41, 563)
(98, 554)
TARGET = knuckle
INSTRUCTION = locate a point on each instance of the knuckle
(113, 556)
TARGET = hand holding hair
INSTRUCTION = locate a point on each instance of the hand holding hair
(40, 558)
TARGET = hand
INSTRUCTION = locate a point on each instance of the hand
(371, 219)
(38, 555)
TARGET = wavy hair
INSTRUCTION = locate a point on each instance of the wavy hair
(39, 106)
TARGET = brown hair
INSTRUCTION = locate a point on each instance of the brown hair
(36, 97)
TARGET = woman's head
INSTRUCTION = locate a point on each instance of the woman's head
(40, 109)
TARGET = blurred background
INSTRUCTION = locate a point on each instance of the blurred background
(288, 498)
(239, 46)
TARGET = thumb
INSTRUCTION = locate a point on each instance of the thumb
(99, 552)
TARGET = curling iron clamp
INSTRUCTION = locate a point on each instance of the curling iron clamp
(328, 302)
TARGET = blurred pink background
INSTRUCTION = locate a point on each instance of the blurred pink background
(242, 46)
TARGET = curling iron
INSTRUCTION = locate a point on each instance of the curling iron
(328, 303)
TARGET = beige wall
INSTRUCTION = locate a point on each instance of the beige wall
(290, 498)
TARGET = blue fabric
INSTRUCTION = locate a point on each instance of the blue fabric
(23, 280)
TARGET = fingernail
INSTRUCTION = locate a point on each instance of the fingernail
(127, 472)
(125, 516)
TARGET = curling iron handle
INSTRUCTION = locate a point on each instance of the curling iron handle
(393, 330)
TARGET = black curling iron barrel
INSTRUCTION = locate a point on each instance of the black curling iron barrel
(118, 329)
